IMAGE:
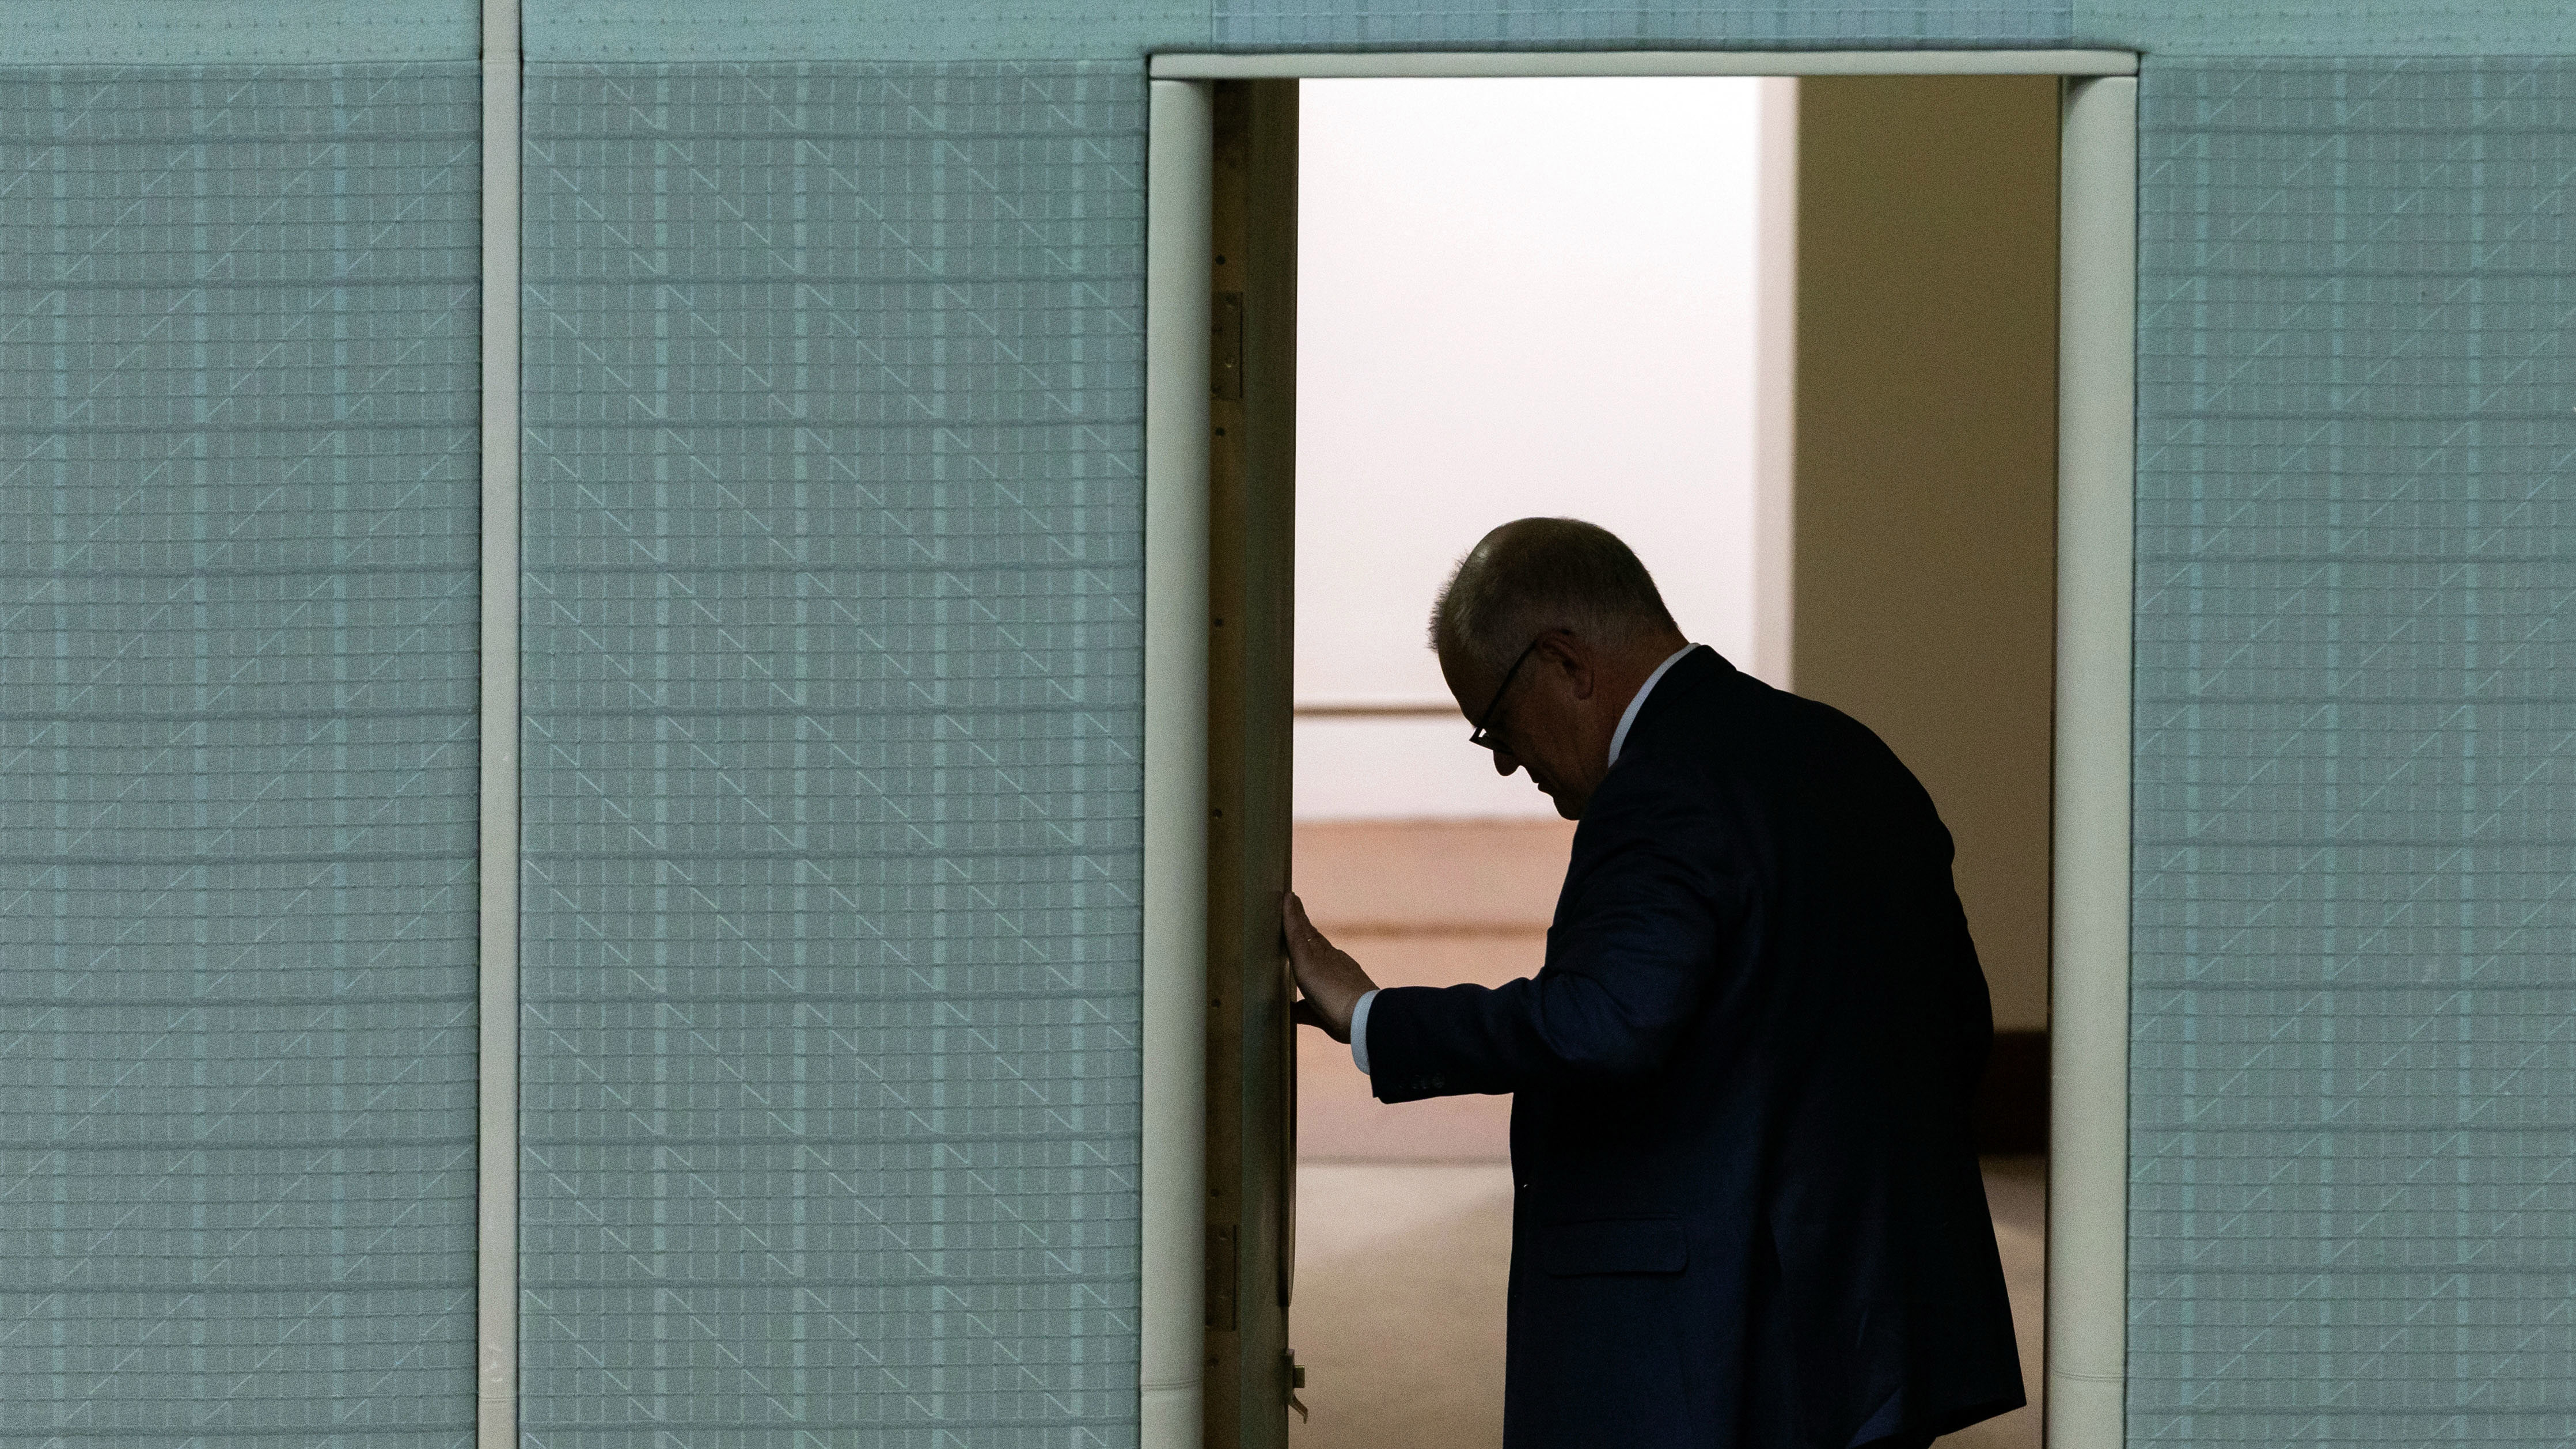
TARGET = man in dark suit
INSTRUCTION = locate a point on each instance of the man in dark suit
(1748, 1211)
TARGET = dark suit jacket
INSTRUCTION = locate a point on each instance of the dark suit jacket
(1749, 1211)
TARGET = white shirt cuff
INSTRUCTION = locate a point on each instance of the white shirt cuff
(1359, 1030)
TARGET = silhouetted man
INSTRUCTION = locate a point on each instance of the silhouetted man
(1748, 1212)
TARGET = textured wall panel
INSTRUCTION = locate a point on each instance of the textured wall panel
(207, 32)
(2331, 27)
(833, 673)
(2354, 1070)
(866, 30)
(898, 30)
(237, 755)
(1776, 24)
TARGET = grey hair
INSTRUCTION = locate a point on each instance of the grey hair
(1536, 574)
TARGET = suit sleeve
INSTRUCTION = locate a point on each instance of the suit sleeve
(1638, 953)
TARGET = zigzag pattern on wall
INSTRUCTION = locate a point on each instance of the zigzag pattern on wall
(2354, 1210)
(833, 665)
(238, 558)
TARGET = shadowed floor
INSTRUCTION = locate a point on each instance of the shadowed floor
(1399, 1303)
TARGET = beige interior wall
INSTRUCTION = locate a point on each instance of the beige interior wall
(1925, 525)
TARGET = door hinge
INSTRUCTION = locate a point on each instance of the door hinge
(1296, 1374)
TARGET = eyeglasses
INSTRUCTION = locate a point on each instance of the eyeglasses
(1485, 722)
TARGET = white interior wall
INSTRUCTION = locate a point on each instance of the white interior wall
(1516, 297)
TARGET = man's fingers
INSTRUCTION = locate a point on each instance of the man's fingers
(1309, 1014)
(1292, 915)
(1321, 971)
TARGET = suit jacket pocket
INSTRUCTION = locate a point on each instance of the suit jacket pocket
(1612, 1245)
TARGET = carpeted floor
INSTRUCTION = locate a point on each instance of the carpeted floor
(1399, 1302)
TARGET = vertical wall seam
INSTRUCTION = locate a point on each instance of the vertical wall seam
(497, 1135)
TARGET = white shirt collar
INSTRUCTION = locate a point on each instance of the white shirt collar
(1647, 688)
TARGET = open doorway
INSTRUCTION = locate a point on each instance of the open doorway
(1591, 297)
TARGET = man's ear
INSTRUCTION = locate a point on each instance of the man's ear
(1570, 655)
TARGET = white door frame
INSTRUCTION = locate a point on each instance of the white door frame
(2089, 941)
(2088, 1005)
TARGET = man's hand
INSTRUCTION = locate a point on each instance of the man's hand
(1330, 982)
